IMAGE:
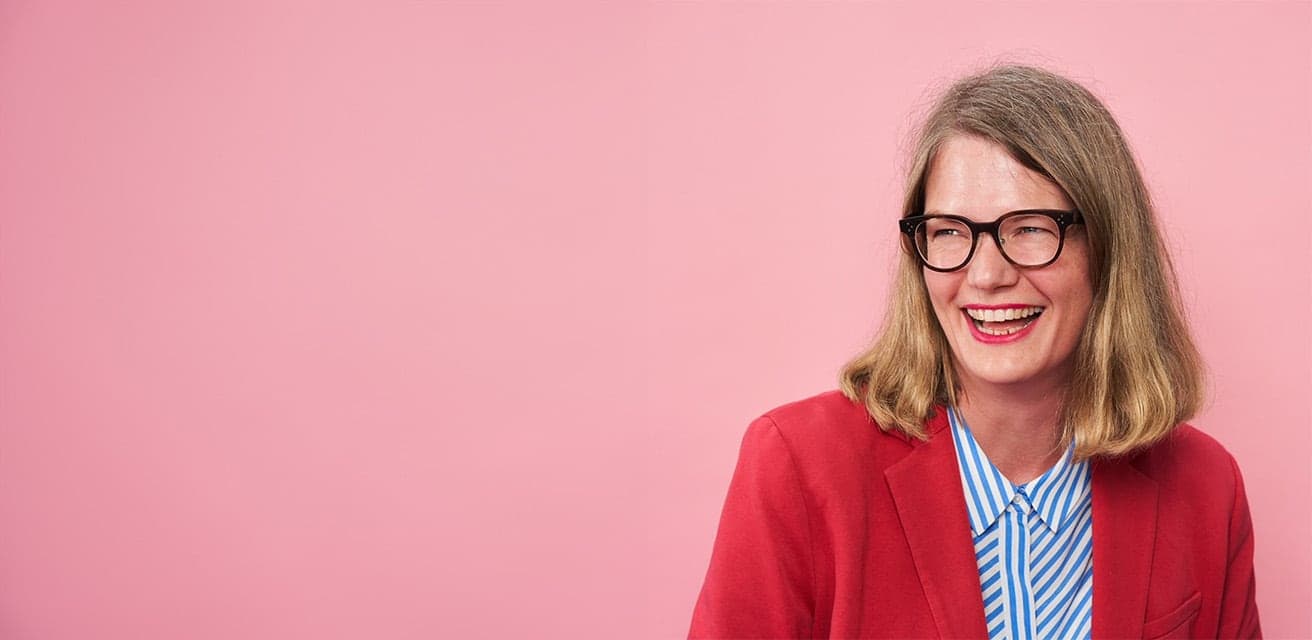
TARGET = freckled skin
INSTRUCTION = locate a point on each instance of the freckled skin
(976, 178)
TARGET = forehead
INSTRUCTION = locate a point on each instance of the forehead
(975, 177)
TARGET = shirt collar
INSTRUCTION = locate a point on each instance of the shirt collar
(1055, 495)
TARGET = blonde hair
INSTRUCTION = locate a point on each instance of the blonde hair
(1137, 373)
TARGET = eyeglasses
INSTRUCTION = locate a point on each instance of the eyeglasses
(1026, 238)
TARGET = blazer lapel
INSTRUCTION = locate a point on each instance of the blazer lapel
(926, 487)
(1124, 530)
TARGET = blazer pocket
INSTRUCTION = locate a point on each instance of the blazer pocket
(1176, 623)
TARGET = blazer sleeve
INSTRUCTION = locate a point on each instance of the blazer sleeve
(760, 582)
(1238, 604)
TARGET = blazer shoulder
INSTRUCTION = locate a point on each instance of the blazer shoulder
(1189, 444)
(1191, 457)
(829, 430)
(830, 414)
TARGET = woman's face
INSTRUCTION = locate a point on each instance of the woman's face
(978, 179)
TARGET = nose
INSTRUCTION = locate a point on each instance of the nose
(988, 269)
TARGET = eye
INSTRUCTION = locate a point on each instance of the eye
(946, 232)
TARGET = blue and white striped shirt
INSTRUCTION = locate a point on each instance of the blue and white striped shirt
(1033, 543)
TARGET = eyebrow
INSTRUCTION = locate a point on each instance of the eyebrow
(937, 212)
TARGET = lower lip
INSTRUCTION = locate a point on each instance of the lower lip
(987, 338)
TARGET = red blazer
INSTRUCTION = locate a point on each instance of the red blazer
(834, 528)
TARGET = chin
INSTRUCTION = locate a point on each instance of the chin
(1008, 373)
(1003, 378)
(1001, 371)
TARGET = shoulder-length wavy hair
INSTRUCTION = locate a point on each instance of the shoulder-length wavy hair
(1137, 373)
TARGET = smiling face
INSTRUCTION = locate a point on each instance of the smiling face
(988, 308)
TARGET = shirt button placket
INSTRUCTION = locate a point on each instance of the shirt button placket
(1024, 512)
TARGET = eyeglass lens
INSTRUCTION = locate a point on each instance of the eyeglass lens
(1027, 240)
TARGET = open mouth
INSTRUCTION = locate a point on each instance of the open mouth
(1003, 322)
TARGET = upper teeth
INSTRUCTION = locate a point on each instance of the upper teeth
(998, 315)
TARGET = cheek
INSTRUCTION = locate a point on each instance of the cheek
(942, 287)
(1077, 278)
(1073, 293)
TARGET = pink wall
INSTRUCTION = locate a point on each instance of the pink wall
(413, 320)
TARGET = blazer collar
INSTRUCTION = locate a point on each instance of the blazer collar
(1124, 530)
(927, 492)
(926, 489)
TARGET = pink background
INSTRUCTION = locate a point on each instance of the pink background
(431, 319)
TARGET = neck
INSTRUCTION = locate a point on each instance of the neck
(1016, 425)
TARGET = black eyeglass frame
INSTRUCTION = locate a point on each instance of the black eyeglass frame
(1063, 218)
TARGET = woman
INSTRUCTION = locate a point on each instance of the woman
(1008, 459)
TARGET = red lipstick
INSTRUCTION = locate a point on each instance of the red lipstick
(989, 338)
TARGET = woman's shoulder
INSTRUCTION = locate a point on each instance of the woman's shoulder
(828, 429)
(1187, 445)
(827, 415)
(1190, 460)
(827, 408)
